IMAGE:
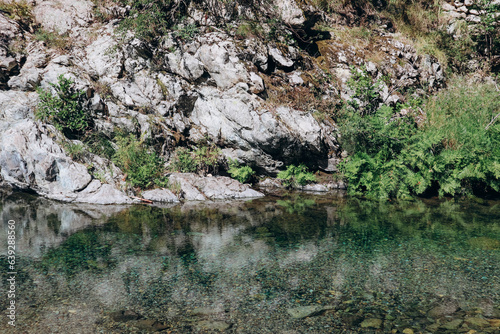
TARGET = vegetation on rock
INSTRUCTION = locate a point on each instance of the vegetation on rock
(64, 108)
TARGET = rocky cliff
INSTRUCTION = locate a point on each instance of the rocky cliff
(259, 80)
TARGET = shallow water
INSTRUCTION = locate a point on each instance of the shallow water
(310, 264)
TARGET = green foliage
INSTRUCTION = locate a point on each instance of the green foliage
(151, 19)
(296, 176)
(183, 161)
(366, 97)
(19, 11)
(204, 160)
(143, 167)
(65, 108)
(241, 173)
(455, 152)
(53, 39)
(185, 32)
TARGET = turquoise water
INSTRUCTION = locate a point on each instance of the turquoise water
(310, 264)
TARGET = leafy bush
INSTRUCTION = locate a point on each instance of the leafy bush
(183, 161)
(241, 173)
(295, 176)
(185, 32)
(150, 19)
(143, 167)
(204, 160)
(455, 152)
(65, 109)
(53, 40)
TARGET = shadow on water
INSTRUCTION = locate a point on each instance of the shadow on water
(298, 264)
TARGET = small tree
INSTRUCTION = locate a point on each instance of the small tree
(65, 109)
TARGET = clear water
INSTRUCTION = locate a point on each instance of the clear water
(274, 265)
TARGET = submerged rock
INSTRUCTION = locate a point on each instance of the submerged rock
(371, 323)
(307, 311)
(212, 325)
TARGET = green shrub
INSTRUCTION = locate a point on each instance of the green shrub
(53, 40)
(296, 176)
(204, 160)
(64, 109)
(454, 152)
(241, 173)
(185, 32)
(183, 161)
(151, 19)
(142, 166)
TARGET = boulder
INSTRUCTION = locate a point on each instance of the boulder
(160, 195)
(195, 187)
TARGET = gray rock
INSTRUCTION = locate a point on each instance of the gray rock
(63, 15)
(160, 195)
(219, 56)
(290, 12)
(371, 323)
(212, 325)
(98, 193)
(452, 325)
(185, 65)
(17, 105)
(301, 312)
(199, 188)
(279, 58)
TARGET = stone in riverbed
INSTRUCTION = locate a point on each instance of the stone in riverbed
(452, 325)
(307, 311)
(477, 322)
(446, 308)
(371, 323)
(212, 325)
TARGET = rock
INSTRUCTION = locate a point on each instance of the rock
(261, 137)
(185, 65)
(31, 159)
(27, 80)
(98, 193)
(220, 59)
(315, 188)
(17, 105)
(452, 325)
(104, 58)
(446, 308)
(269, 183)
(212, 325)
(408, 331)
(301, 312)
(279, 58)
(160, 195)
(194, 187)
(290, 12)
(63, 15)
(446, 6)
(124, 316)
(205, 311)
(477, 322)
(371, 323)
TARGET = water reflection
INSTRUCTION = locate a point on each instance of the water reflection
(288, 265)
